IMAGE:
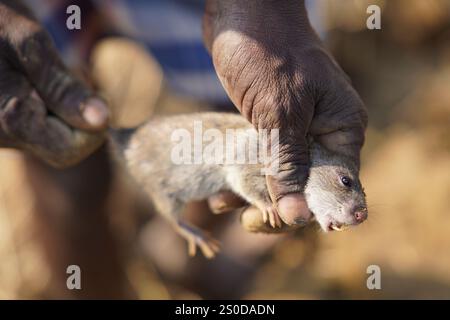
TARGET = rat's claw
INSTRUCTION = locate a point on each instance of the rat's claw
(265, 215)
(272, 220)
(195, 237)
(270, 214)
(209, 247)
(275, 220)
(192, 247)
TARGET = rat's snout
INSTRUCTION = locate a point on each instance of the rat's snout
(360, 214)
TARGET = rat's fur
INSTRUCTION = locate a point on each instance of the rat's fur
(146, 152)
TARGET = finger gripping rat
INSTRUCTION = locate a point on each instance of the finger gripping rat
(333, 191)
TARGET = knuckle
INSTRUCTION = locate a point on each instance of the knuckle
(23, 119)
(12, 117)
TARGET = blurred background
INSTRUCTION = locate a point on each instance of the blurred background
(90, 216)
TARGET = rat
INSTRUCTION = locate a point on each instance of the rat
(333, 191)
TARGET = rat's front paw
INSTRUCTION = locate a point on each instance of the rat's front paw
(252, 221)
(270, 214)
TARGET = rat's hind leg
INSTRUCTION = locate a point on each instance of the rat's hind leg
(172, 210)
(196, 237)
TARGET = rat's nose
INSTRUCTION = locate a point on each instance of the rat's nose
(360, 214)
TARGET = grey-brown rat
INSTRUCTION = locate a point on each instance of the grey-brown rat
(333, 192)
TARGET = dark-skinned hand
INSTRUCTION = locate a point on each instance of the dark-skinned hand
(279, 76)
(44, 109)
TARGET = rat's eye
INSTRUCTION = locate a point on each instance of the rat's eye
(346, 181)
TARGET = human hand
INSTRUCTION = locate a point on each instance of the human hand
(43, 108)
(278, 74)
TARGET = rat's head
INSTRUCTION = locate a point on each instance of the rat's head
(334, 193)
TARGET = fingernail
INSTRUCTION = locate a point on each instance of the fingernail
(301, 222)
(293, 208)
(95, 112)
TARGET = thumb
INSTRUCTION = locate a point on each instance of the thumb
(287, 177)
(62, 92)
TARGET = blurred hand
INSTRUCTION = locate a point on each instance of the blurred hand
(43, 108)
(278, 74)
